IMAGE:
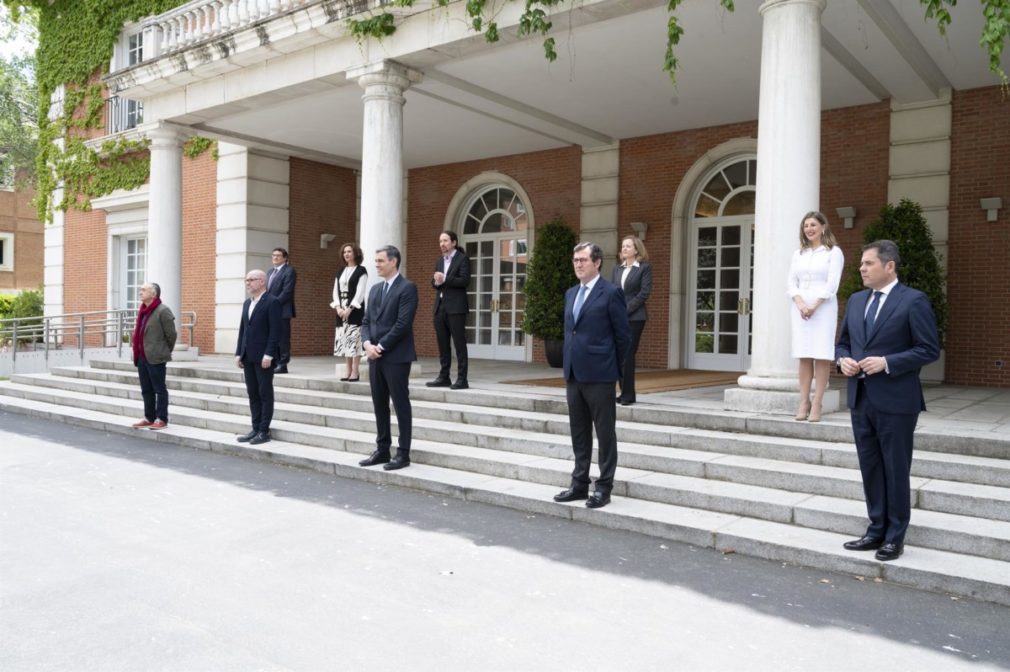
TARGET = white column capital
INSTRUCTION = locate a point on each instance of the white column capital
(769, 5)
(385, 79)
(166, 136)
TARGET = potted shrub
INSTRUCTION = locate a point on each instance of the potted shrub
(920, 263)
(549, 274)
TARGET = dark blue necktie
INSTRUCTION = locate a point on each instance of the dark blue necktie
(871, 314)
(382, 293)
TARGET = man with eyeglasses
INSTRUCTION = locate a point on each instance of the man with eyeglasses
(597, 336)
(259, 332)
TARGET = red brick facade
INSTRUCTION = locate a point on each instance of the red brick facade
(17, 216)
(978, 266)
(322, 200)
(199, 246)
(552, 180)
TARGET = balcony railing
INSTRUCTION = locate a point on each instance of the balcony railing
(122, 114)
(202, 19)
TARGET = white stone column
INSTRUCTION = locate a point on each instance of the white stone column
(382, 192)
(164, 227)
(788, 185)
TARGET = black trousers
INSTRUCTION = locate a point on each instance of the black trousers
(451, 326)
(884, 448)
(153, 390)
(259, 385)
(593, 405)
(389, 381)
(628, 379)
(284, 343)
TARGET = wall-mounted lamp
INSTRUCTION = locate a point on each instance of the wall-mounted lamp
(325, 239)
(847, 215)
(991, 207)
(640, 228)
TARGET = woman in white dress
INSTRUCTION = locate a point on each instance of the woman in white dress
(814, 274)
(349, 289)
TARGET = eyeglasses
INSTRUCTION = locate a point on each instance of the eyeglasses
(580, 260)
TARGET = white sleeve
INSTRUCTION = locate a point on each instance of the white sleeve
(360, 291)
(336, 293)
(836, 263)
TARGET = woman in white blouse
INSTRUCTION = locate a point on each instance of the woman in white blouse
(814, 274)
(349, 289)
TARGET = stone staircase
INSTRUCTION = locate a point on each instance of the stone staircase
(759, 485)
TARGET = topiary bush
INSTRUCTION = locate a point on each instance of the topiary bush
(548, 275)
(920, 262)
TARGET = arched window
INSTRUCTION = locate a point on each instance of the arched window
(730, 191)
(495, 210)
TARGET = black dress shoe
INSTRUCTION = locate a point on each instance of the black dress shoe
(459, 385)
(863, 544)
(571, 495)
(247, 437)
(398, 462)
(889, 552)
(281, 369)
(353, 380)
(262, 437)
(598, 500)
(439, 382)
(625, 402)
(377, 457)
(344, 380)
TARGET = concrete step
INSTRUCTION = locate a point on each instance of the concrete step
(931, 569)
(698, 489)
(927, 464)
(523, 399)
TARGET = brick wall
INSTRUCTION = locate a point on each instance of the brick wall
(85, 259)
(199, 245)
(978, 280)
(322, 200)
(17, 216)
(854, 171)
(552, 179)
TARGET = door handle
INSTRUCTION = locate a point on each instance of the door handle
(739, 306)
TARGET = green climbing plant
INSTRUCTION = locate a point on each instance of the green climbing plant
(535, 20)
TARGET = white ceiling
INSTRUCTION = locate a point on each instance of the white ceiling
(607, 83)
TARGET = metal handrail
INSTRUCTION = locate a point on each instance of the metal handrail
(56, 331)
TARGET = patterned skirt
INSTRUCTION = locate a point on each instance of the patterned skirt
(347, 341)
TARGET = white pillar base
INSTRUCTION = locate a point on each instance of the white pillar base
(750, 400)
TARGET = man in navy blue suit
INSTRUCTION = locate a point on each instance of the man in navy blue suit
(597, 336)
(256, 353)
(888, 335)
(281, 283)
(387, 335)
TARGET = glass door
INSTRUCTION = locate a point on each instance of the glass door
(723, 263)
(497, 302)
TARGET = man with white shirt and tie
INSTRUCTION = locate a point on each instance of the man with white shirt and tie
(387, 335)
(256, 353)
(888, 334)
(597, 336)
(450, 280)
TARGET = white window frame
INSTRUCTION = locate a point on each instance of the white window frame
(7, 262)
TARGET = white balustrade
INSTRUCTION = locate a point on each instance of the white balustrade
(197, 21)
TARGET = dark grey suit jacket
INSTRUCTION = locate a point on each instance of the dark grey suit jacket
(391, 324)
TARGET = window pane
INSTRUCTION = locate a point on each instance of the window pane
(727, 344)
(731, 235)
(493, 224)
(729, 278)
(706, 279)
(706, 301)
(706, 257)
(704, 321)
(707, 236)
(728, 300)
(730, 256)
(703, 342)
(707, 207)
(717, 187)
(736, 174)
(729, 323)
(740, 204)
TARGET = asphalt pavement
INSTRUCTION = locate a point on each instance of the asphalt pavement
(118, 553)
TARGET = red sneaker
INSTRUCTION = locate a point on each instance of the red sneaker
(143, 423)
(158, 424)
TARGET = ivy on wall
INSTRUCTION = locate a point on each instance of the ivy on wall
(535, 20)
(76, 40)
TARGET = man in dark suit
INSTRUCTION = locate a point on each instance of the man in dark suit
(888, 334)
(451, 278)
(597, 336)
(256, 353)
(387, 335)
(281, 283)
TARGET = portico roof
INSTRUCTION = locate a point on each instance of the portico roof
(289, 92)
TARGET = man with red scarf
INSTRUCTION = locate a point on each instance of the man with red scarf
(153, 341)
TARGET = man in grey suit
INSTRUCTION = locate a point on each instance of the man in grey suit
(387, 335)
